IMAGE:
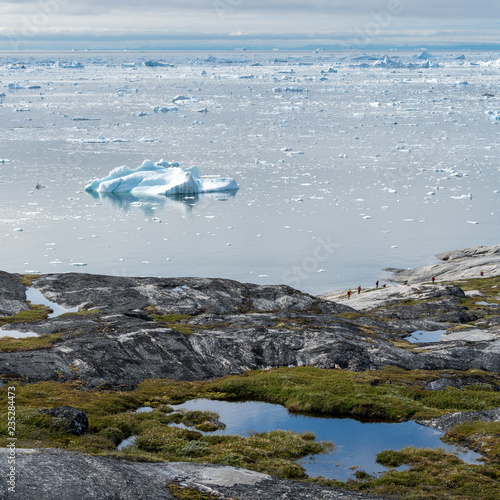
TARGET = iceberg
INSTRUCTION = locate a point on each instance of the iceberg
(160, 178)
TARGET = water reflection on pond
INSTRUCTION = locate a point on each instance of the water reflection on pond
(426, 336)
(356, 443)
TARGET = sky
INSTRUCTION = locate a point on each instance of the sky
(252, 24)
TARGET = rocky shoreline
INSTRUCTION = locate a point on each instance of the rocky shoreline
(127, 330)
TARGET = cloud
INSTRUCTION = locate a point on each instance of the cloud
(332, 20)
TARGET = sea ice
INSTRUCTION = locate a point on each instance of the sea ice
(160, 178)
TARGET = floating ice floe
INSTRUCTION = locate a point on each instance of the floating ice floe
(463, 197)
(164, 109)
(74, 64)
(157, 64)
(181, 99)
(493, 116)
(99, 140)
(289, 89)
(160, 178)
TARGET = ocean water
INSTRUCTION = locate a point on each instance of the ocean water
(347, 163)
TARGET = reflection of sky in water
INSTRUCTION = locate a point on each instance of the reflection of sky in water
(36, 297)
(424, 336)
(356, 443)
(150, 203)
(17, 334)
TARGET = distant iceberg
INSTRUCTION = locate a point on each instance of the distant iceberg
(160, 178)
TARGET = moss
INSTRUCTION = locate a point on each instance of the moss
(9, 344)
(404, 344)
(35, 313)
(177, 322)
(483, 437)
(82, 312)
(28, 279)
(183, 493)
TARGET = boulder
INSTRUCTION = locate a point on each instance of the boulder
(73, 420)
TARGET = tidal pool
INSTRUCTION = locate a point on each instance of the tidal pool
(356, 443)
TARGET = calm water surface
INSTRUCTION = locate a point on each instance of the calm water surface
(356, 443)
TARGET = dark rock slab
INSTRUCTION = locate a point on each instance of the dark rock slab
(171, 295)
(49, 474)
(446, 422)
(57, 475)
(458, 382)
(12, 295)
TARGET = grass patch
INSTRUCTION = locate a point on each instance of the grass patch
(9, 344)
(483, 437)
(27, 279)
(177, 322)
(35, 313)
(82, 312)
(183, 493)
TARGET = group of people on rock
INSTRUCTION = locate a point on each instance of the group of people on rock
(433, 279)
(349, 292)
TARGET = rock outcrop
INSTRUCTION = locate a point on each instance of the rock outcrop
(446, 422)
(131, 329)
(383, 297)
(71, 419)
(12, 296)
(455, 265)
(49, 474)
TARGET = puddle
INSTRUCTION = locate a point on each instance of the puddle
(36, 297)
(424, 336)
(130, 441)
(144, 409)
(16, 334)
(356, 443)
(483, 303)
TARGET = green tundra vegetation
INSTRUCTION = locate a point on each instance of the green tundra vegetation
(390, 394)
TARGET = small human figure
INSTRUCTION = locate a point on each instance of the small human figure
(433, 279)
(481, 273)
(385, 285)
(359, 289)
(376, 283)
(349, 294)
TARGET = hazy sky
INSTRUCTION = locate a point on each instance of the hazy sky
(251, 23)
